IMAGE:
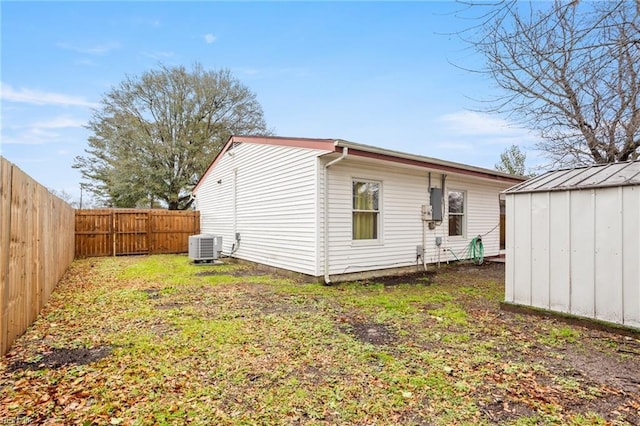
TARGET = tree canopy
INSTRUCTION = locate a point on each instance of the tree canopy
(570, 70)
(153, 135)
(512, 161)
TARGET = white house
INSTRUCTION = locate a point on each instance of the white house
(573, 242)
(379, 212)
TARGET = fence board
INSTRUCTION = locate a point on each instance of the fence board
(36, 248)
(105, 232)
(5, 240)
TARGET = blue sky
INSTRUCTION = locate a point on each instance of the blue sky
(376, 73)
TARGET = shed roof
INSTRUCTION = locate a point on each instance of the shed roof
(596, 176)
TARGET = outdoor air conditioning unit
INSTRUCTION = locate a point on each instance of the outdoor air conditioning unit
(205, 247)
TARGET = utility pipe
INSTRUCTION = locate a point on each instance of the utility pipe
(424, 242)
(345, 152)
(424, 230)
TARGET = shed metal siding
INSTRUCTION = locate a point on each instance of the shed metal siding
(540, 249)
(631, 257)
(576, 251)
(521, 245)
(559, 251)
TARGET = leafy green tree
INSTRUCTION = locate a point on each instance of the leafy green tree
(154, 135)
(512, 161)
(569, 69)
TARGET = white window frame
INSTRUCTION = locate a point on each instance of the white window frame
(463, 215)
(372, 241)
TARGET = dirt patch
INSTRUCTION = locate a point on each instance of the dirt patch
(152, 293)
(61, 357)
(607, 370)
(417, 278)
(260, 299)
(499, 411)
(162, 329)
(170, 305)
(373, 333)
(493, 271)
(237, 273)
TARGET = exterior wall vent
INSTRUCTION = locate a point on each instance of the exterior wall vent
(205, 247)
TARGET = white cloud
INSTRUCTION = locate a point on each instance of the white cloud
(96, 49)
(484, 129)
(209, 38)
(474, 123)
(273, 72)
(59, 129)
(61, 122)
(85, 62)
(159, 55)
(250, 71)
(455, 146)
(31, 136)
(155, 23)
(36, 97)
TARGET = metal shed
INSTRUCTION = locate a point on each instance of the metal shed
(573, 242)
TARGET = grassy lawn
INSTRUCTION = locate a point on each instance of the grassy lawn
(157, 340)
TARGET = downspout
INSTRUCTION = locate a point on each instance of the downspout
(424, 242)
(236, 243)
(345, 151)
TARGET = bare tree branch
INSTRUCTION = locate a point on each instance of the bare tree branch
(568, 70)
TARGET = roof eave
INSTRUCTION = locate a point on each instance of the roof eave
(427, 162)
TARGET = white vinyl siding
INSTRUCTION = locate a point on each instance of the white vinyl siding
(273, 197)
(404, 191)
(275, 207)
(215, 202)
(400, 218)
(482, 217)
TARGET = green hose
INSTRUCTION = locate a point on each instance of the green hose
(476, 250)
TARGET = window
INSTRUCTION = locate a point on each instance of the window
(456, 213)
(366, 210)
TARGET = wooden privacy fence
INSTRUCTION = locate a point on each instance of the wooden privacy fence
(112, 232)
(36, 248)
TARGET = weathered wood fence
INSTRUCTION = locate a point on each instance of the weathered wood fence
(112, 232)
(36, 248)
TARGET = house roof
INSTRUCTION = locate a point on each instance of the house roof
(368, 151)
(596, 176)
(331, 146)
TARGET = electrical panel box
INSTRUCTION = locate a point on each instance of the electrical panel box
(427, 212)
(436, 203)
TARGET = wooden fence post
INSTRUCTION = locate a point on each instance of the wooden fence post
(114, 230)
(6, 174)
